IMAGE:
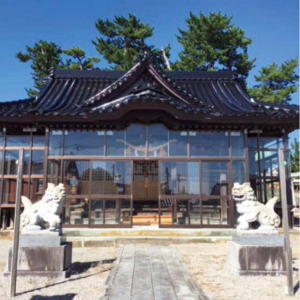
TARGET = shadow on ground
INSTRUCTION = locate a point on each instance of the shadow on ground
(81, 267)
(56, 297)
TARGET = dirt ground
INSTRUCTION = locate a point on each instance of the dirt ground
(207, 262)
(90, 269)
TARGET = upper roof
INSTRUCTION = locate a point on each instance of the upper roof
(218, 95)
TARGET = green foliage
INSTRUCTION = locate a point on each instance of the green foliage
(78, 59)
(123, 39)
(276, 83)
(45, 56)
(213, 43)
(295, 151)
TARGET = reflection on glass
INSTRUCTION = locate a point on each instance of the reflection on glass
(11, 162)
(125, 212)
(136, 140)
(1, 139)
(211, 212)
(111, 177)
(182, 215)
(55, 142)
(270, 142)
(214, 178)
(9, 190)
(253, 163)
(195, 209)
(272, 186)
(77, 211)
(111, 212)
(36, 189)
(209, 143)
(84, 142)
(180, 178)
(97, 211)
(157, 140)
(37, 162)
(178, 143)
(18, 141)
(237, 143)
(26, 162)
(238, 171)
(53, 171)
(269, 163)
(76, 177)
(38, 141)
(115, 143)
(252, 142)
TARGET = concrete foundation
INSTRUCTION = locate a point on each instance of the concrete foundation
(42, 255)
(257, 255)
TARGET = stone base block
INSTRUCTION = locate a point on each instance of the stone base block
(43, 261)
(257, 255)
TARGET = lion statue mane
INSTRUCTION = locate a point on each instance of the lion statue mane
(44, 214)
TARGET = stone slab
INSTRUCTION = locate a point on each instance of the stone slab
(51, 261)
(40, 239)
(257, 255)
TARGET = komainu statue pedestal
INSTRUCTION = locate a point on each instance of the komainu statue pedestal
(257, 254)
(42, 254)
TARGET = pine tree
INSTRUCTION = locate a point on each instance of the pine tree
(276, 83)
(79, 60)
(123, 39)
(213, 43)
(45, 56)
(295, 152)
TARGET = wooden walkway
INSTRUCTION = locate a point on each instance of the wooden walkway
(150, 272)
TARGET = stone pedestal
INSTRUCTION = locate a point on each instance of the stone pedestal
(257, 254)
(42, 254)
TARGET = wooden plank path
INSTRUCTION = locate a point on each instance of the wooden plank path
(151, 272)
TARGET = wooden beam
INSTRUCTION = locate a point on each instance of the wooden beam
(14, 265)
(285, 221)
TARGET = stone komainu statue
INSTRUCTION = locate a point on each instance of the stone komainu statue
(251, 210)
(44, 214)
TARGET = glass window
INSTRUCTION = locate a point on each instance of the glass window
(115, 141)
(55, 142)
(252, 142)
(97, 211)
(214, 212)
(26, 162)
(84, 142)
(179, 178)
(36, 189)
(270, 142)
(111, 177)
(77, 211)
(195, 209)
(178, 143)
(254, 163)
(76, 177)
(157, 140)
(111, 212)
(237, 143)
(18, 141)
(9, 190)
(214, 178)
(39, 141)
(269, 163)
(54, 171)
(136, 140)
(1, 139)
(209, 143)
(11, 162)
(37, 162)
(238, 171)
(182, 212)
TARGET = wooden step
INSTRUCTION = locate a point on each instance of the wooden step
(147, 219)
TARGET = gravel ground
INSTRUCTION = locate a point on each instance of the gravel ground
(90, 269)
(207, 262)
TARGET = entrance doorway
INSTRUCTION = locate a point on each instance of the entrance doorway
(145, 191)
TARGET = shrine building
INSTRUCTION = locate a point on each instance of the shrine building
(143, 147)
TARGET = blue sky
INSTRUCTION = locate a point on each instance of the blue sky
(273, 25)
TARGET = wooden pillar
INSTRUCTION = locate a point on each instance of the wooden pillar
(285, 222)
(13, 281)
